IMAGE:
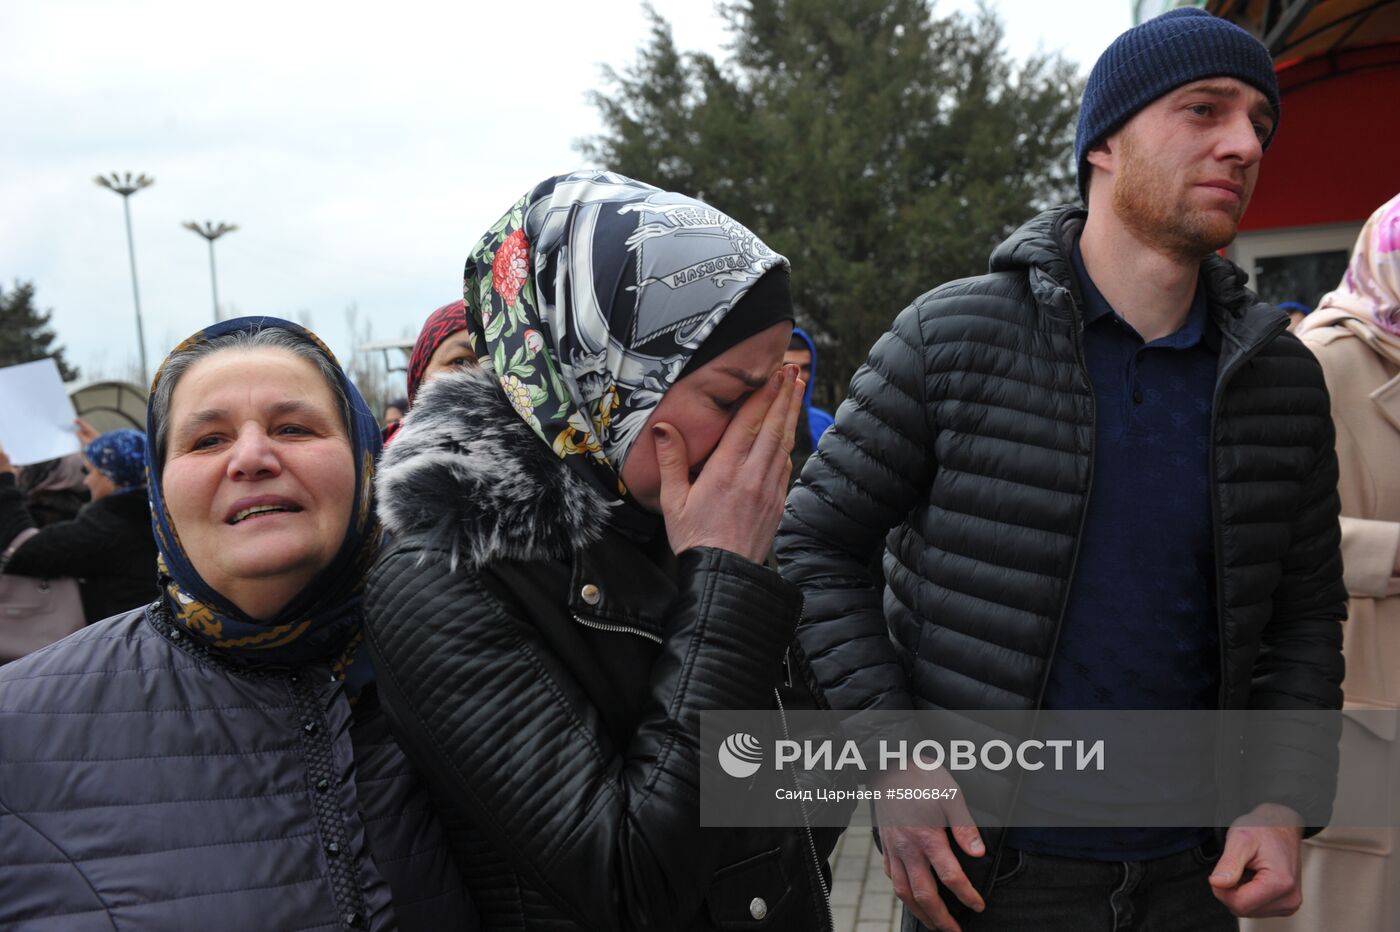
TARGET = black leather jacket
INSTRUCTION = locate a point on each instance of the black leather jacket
(964, 452)
(546, 675)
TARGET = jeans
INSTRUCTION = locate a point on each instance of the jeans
(1039, 893)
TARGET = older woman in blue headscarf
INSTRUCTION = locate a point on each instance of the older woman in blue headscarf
(217, 759)
(107, 547)
(581, 528)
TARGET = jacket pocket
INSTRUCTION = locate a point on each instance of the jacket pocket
(750, 894)
(1012, 865)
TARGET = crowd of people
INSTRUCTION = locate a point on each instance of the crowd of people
(83, 517)
(446, 672)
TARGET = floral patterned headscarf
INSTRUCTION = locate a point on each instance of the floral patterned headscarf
(588, 298)
(323, 624)
(1369, 293)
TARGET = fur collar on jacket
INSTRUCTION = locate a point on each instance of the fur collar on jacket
(466, 475)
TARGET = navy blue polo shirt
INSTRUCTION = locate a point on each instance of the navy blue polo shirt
(1140, 628)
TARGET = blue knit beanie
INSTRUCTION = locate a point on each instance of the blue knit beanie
(1160, 55)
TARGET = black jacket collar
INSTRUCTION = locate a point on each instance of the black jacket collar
(615, 583)
(1041, 249)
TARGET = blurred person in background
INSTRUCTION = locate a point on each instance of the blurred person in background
(1351, 876)
(108, 547)
(218, 760)
(53, 490)
(394, 411)
(444, 344)
(1296, 312)
(802, 353)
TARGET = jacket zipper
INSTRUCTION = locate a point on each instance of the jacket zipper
(807, 826)
(1084, 508)
(1077, 337)
(616, 629)
(1220, 383)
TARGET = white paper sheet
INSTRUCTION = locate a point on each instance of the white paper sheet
(36, 417)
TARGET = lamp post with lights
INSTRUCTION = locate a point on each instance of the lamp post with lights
(211, 231)
(126, 185)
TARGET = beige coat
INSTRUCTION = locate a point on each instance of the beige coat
(1351, 876)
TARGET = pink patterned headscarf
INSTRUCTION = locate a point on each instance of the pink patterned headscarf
(1370, 290)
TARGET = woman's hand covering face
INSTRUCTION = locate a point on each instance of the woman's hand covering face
(259, 479)
(727, 494)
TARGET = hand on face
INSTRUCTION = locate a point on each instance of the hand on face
(802, 359)
(259, 477)
(736, 501)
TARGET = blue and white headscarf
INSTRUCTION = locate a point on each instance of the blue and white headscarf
(120, 455)
(324, 623)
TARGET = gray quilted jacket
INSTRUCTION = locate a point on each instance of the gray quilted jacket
(147, 784)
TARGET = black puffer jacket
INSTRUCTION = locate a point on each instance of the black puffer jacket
(966, 448)
(546, 675)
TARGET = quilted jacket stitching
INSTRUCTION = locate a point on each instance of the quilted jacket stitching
(388, 671)
(67, 859)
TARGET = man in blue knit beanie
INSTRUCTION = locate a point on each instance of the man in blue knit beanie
(1101, 477)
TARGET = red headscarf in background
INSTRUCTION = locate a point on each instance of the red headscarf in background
(440, 325)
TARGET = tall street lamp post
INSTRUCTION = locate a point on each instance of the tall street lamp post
(211, 232)
(125, 185)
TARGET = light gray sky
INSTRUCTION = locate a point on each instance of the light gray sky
(361, 148)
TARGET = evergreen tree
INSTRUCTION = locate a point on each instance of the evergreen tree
(880, 148)
(25, 334)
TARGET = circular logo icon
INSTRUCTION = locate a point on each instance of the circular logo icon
(740, 755)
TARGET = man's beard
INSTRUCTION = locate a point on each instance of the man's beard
(1148, 203)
